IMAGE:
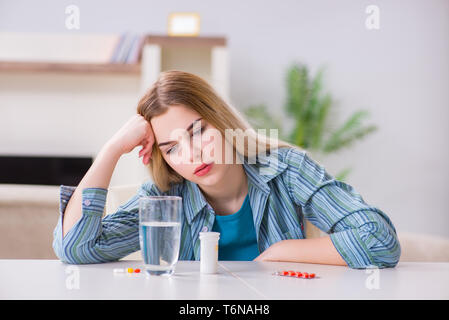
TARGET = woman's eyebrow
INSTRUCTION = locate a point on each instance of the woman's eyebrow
(188, 129)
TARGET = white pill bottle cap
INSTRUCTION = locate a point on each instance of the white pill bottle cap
(209, 252)
(215, 236)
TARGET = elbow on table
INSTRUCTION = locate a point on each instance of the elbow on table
(59, 251)
(70, 254)
(383, 245)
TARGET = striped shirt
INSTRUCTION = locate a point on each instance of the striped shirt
(284, 187)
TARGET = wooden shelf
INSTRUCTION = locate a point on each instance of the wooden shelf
(117, 68)
(177, 41)
(121, 68)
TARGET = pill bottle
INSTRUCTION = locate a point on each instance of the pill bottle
(209, 252)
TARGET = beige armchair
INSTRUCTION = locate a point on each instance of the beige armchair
(28, 215)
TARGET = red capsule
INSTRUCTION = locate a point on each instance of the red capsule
(312, 275)
(284, 273)
(136, 270)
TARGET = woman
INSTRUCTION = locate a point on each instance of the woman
(257, 194)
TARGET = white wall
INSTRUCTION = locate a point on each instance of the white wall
(399, 72)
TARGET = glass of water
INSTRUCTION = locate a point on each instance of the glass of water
(160, 233)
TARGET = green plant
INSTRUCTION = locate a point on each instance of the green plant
(310, 108)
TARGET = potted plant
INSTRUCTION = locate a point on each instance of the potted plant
(309, 106)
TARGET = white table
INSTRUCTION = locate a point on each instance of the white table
(236, 280)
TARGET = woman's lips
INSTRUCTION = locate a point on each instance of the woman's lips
(204, 170)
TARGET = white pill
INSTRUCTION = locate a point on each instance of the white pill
(119, 270)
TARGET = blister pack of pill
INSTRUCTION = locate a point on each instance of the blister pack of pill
(295, 274)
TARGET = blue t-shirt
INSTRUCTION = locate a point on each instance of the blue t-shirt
(238, 239)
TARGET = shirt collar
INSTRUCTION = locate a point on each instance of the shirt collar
(260, 170)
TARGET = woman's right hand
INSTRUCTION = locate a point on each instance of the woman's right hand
(135, 132)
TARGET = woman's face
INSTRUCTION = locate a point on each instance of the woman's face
(187, 141)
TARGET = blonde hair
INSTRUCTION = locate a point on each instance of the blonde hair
(175, 87)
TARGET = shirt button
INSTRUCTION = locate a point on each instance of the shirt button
(205, 229)
(87, 202)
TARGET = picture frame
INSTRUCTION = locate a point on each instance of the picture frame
(184, 24)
